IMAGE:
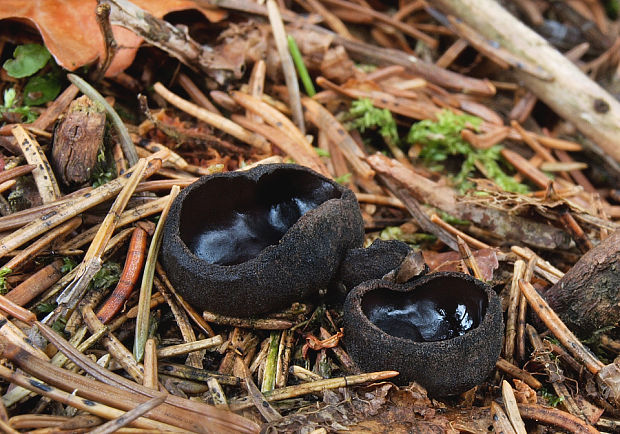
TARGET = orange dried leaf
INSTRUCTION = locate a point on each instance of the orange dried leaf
(71, 34)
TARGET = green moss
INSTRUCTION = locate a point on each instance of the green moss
(365, 116)
(4, 271)
(109, 275)
(552, 399)
(442, 139)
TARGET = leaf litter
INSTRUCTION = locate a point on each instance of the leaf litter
(442, 125)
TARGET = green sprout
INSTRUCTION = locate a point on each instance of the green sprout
(552, 399)
(300, 66)
(344, 179)
(9, 106)
(101, 173)
(321, 152)
(27, 61)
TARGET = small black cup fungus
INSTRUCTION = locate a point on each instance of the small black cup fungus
(373, 262)
(442, 330)
(248, 242)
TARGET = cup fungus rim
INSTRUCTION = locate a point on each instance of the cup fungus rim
(254, 176)
(376, 284)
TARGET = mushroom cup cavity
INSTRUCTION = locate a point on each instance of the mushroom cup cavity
(442, 330)
(248, 242)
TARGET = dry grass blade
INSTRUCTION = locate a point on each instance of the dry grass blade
(92, 259)
(315, 386)
(501, 423)
(106, 229)
(179, 350)
(142, 320)
(130, 416)
(544, 268)
(31, 251)
(511, 408)
(325, 121)
(190, 311)
(21, 218)
(288, 68)
(195, 358)
(190, 415)
(71, 208)
(299, 153)
(53, 393)
(43, 174)
(113, 345)
(129, 216)
(263, 406)
(272, 116)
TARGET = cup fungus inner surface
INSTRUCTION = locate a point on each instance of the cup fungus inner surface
(440, 309)
(230, 220)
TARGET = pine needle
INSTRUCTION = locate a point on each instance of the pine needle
(142, 320)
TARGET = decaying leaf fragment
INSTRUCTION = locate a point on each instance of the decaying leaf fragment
(71, 34)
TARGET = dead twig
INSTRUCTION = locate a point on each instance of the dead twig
(213, 119)
(43, 175)
(559, 330)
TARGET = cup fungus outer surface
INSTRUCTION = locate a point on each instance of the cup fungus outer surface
(248, 242)
(444, 367)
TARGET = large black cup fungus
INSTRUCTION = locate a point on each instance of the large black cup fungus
(249, 242)
(443, 330)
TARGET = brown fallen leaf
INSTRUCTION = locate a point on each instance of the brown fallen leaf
(524, 393)
(71, 33)
(449, 261)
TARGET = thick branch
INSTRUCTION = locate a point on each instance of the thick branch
(587, 297)
(570, 93)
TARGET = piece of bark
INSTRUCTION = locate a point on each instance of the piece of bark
(511, 228)
(570, 93)
(587, 297)
(77, 140)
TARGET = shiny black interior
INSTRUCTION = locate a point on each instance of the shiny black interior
(230, 220)
(441, 309)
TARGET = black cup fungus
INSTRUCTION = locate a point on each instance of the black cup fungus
(372, 262)
(442, 330)
(249, 242)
